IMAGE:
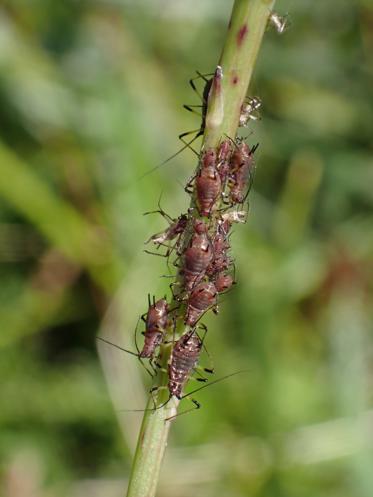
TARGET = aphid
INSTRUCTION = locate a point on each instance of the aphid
(184, 358)
(223, 160)
(249, 111)
(156, 322)
(197, 256)
(241, 172)
(202, 298)
(234, 217)
(280, 23)
(174, 230)
(220, 246)
(202, 106)
(207, 183)
(223, 282)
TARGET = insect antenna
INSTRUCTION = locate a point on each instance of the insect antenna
(186, 145)
(128, 352)
(116, 346)
(160, 211)
(198, 132)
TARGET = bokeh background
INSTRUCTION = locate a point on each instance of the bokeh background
(91, 96)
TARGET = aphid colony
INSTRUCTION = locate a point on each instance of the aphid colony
(199, 241)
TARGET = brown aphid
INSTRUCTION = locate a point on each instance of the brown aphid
(208, 185)
(241, 172)
(197, 256)
(223, 282)
(202, 298)
(220, 246)
(184, 358)
(175, 229)
(223, 160)
(156, 322)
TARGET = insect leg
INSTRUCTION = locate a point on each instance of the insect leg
(199, 76)
(191, 108)
(189, 143)
(197, 405)
(161, 212)
(157, 253)
(210, 370)
(189, 187)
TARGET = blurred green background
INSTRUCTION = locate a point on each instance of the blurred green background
(91, 96)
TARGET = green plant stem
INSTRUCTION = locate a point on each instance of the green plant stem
(248, 23)
(246, 28)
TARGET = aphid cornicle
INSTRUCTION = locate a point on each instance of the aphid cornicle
(202, 297)
(156, 322)
(241, 172)
(208, 184)
(197, 256)
(184, 358)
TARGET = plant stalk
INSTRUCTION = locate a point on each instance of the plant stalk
(245, 32)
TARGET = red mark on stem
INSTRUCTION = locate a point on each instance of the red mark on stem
(242, 34)
(235, 79)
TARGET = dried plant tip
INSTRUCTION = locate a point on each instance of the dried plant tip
(215, 114)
